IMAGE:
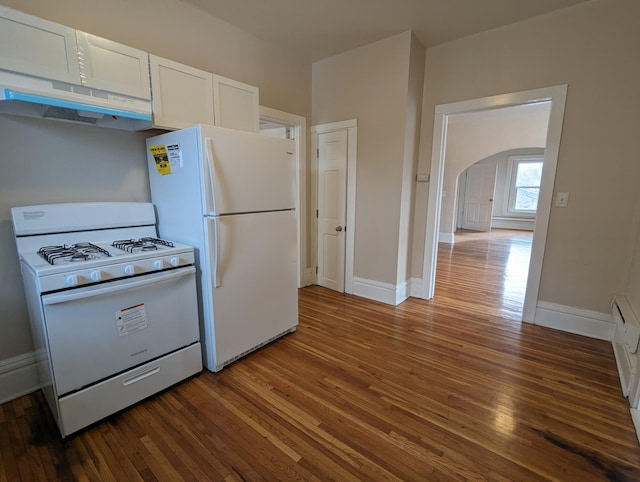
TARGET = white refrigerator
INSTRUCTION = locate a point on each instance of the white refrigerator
(231, 195)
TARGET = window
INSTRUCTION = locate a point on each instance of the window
(524, 185)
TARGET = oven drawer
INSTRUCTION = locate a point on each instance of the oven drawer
(101, 400)
(96, 332)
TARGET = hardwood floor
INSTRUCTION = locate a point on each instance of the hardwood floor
(449, 389)
(486, 271)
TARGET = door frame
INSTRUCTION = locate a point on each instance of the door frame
(351, 126)
(557, 95)
(299, 126)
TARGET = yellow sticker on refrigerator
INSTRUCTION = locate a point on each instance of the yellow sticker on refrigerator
(160, 155)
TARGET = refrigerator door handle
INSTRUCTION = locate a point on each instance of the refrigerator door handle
(215, 246)
(211, 171)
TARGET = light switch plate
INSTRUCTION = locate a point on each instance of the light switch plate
(562, 199)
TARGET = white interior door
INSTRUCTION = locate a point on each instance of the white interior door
(478, 199)
(332, 208)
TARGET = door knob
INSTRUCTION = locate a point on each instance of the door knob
(338, 228)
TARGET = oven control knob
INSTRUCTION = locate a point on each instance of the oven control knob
(174, 262)
(95, 275)
(71, 280)
(129, 270)
(157, 264)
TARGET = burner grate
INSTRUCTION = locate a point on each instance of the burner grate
(74, 253)
(142, 244)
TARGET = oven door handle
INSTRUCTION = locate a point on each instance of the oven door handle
(91, 292)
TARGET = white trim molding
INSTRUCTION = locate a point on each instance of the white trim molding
(448, 238)
(18, 376)
(635, 416)
(309, 276)
(415, 287)
(557, 95)
(506, 222)
(299, 125)
(387, 293)
(575, 320)
(351, 126)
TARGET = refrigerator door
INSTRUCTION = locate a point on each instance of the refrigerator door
(246, 172)
(256, 299)
(177, 185)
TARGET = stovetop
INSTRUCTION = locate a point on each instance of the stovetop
(87, 251)
(71, 245)
(90, 262)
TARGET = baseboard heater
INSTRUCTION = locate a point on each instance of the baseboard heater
(625, 341)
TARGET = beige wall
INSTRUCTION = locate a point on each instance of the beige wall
(632, 288)
(371, 84)
(46, 161)
(594, 49)
(477, 135)
(49, 162)
(410, 161)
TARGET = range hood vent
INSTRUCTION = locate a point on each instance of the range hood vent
(45, 99)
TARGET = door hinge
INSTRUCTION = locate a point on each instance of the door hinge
(318, 153)
(316, 270)
(317, 214)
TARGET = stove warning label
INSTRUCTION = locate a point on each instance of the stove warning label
(132, 319)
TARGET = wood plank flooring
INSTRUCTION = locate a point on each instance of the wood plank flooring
(449, 389)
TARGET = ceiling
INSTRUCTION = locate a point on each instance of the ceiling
(317, 29)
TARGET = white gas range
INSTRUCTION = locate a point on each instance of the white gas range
(113, 308)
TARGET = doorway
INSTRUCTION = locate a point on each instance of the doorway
(557, 97)
(334, 148)
(291, 126)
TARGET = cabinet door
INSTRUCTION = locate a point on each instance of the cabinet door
(182, 96)
(236, 104)
(34, 46)
(108, 65)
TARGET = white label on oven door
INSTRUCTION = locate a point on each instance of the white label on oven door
(131, 319)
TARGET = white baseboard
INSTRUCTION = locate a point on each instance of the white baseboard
(446, 238)
(18, 376)
(575, 320)
(415, 287)
(378, 291)
(512, 223)
(635, 416)
(308, 277)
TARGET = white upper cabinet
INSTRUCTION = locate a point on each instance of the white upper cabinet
(110, 66)
(236, 105)
(37, 47)
(182, 95)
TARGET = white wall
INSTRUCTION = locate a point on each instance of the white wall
(593, 48)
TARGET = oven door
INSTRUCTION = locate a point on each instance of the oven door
(101, 330)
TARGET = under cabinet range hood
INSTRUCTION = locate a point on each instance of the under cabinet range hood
(49, 99)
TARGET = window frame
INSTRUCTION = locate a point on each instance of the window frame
(511, 189)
